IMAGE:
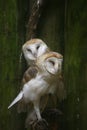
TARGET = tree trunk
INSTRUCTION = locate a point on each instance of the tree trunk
(10, 49)
(75, 64)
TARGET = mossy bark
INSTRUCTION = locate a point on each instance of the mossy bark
(10, 49)
(75, 64)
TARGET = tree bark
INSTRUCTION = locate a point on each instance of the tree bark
(75, 64)
(10, 49)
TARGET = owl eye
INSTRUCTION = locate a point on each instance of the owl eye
(29, 50)
(52, 62)
(37, 47)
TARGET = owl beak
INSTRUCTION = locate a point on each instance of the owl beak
(35, 55)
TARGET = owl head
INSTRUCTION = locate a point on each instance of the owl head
(33, 49)
(51, 62)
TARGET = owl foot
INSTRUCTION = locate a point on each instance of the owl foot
(40, 125)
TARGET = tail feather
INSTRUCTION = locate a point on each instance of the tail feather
(18, 98)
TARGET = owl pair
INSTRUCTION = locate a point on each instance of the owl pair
(43, 77)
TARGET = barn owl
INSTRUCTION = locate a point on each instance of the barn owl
(38, 81)
(33, 49)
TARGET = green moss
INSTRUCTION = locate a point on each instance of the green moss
(9, 61)
(75, 60)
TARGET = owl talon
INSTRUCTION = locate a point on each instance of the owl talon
(30, 123)
(40, 125)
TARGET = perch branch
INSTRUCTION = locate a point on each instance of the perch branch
(33, 19)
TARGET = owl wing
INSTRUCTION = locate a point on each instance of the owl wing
(59, 93)
(56, 93)
(30, 73)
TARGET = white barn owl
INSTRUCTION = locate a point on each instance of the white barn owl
(38, 81)
(34, 48)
